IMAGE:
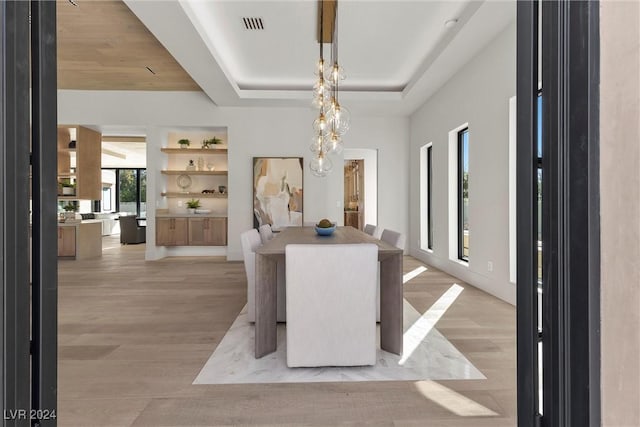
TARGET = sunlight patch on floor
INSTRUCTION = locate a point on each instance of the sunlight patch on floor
(421, 328)
(410, 275)
(452, 400)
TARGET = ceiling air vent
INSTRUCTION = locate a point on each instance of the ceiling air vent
(253, 23)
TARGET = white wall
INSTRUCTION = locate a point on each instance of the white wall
(252, 132)
(620, 212)
(478, 95)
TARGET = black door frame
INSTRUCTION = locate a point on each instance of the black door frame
(44, 304)
(28, 123)
(571, 229)
(14, 179)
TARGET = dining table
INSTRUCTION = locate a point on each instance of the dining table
(273, 252)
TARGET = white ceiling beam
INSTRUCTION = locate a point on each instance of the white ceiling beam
(112, 153)
(107, 138)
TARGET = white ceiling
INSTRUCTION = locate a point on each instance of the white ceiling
(397, 53)
(124, 154)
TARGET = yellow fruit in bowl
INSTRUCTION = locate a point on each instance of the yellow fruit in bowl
(325, 223)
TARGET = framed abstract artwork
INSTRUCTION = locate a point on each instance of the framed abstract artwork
(277, 191)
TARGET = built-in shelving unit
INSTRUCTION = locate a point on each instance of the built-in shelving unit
(207, 171)
(80, 166)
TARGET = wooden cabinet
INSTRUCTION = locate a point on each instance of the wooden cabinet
(86, 174)
(189, 231)
(353, 219)
(172, 232)
(67, 241)
(208, 231)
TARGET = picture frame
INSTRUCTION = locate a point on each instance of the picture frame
(278, 198)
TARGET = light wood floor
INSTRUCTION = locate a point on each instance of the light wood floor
(133, 335)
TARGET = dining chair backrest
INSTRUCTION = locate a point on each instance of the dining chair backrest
(131, 231)
(370, 229)
(393, 238)
(250, 241)
(266, 233)
(331, 311)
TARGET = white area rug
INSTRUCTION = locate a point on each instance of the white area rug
(429, 356)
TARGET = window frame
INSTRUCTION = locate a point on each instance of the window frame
(460, 195)
(117, 187)
(430, 197)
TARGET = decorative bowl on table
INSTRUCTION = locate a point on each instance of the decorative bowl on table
(325, 227)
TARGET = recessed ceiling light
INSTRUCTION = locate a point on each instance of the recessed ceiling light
(450, 23)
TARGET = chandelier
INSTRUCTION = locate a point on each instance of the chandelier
(333, 119)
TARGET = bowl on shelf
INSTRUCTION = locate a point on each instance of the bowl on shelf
(326, 231)
(203, 211)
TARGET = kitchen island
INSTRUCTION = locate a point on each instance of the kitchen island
(80, 239)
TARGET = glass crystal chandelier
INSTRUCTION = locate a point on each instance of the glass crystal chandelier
(333, 119)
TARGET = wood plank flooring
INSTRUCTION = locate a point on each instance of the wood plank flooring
(133, 335)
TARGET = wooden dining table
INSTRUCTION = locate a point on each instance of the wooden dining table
(271, 253)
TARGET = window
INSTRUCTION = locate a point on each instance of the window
(539, 246)
(426, 197)
(430, 197)
(106, 199)
(130, 190)
(539, 144)
(463, 194)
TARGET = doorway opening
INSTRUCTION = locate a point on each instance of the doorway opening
(360, 187)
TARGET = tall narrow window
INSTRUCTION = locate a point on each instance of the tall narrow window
(463, 194)
(539, 285)
(430, 196)
(130, 189)
(539, 144)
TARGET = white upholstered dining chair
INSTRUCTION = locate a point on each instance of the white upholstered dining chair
(266, 233)
(393, 238)
(251, 241)
(370, 229)
(331, 311)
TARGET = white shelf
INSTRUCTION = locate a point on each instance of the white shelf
(175, 194)
(185, 172)
(194, 150)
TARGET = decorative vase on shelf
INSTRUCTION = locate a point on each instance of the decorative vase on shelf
(191, 166)
(200, 164)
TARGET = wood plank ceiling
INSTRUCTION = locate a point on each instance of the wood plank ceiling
(102, 45)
